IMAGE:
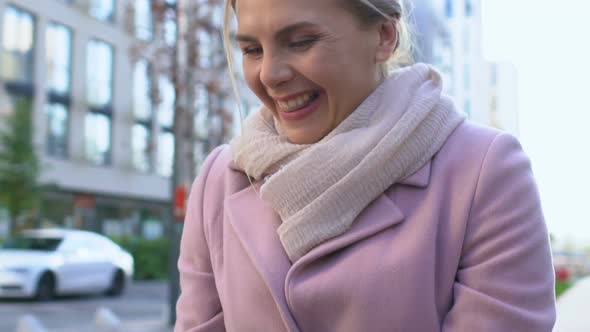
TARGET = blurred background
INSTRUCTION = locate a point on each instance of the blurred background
(108, 108)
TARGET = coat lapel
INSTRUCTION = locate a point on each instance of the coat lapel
(382, 213)
(255, 224)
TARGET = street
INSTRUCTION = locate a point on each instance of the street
(143, 307)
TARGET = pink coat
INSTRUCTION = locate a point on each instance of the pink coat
(461, 245)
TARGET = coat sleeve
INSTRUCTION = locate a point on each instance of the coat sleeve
(505, 279)
(198, 307)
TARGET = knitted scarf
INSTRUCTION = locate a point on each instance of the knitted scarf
(319, 189)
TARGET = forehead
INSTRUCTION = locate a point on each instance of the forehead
(270, 15)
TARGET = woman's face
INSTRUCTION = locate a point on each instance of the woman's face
(309, 61)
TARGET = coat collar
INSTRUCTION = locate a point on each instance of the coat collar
(256, 224)
(420, 178)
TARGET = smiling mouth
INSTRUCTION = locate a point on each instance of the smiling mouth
(297, 103)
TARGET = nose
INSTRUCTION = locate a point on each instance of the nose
(275, 71)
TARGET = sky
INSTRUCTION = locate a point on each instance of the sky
(549, 44)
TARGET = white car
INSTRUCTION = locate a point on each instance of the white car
(47, 262)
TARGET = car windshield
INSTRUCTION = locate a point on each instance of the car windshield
(33, 243)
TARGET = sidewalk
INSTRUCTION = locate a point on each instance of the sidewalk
(153, 325)
(573, 314)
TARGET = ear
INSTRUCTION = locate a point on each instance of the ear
(387, 40)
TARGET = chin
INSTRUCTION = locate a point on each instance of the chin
(305, 135)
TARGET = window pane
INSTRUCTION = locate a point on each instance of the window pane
(142, 106)
(101, 9)
(449, 8)
(18, 45)
(468, 7)
(143, 19)
(98, 138)
(57, 130)
(165, 153)
(141, 144)
(166, 109)
(58, 47)
(99, 74)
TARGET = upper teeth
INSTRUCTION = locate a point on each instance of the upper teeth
(295, 103)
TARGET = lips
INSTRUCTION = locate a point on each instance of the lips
(298, 107)
(298, 102)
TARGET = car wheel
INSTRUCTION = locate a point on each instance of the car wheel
(45, 287)
(117, 284)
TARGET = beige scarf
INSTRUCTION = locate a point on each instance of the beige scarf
(319, 189)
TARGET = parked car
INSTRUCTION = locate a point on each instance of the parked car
(44, 263)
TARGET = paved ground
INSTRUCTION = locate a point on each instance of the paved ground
(573, 314)
(143, 307)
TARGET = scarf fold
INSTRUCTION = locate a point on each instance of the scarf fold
(319, 189)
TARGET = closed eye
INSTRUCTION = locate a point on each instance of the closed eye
(252, 50)
(303, 44)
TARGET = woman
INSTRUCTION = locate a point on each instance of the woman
(356, 199)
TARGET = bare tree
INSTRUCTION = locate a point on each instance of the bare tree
(193, 58)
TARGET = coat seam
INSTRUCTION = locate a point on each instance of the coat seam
(475, 191)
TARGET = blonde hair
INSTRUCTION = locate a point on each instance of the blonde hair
(368, 12)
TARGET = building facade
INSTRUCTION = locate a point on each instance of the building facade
(450, 34)
(106, 147)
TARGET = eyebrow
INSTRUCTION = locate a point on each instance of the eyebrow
(281, 34)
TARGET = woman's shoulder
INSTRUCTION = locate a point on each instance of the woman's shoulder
(474, 140)
(471, 146)
(473, 133)
(220, 177)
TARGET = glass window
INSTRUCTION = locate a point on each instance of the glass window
(142, 106)
(58, 46)
(141, 147)
(143, 19)
(18, 41)
(33, 243)
(57, 130)
(101, 9)
(449, 8)
(468, 8)
(165, 153)
(98, 138)
(99, 74)
(58, 61)
(166, 109)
